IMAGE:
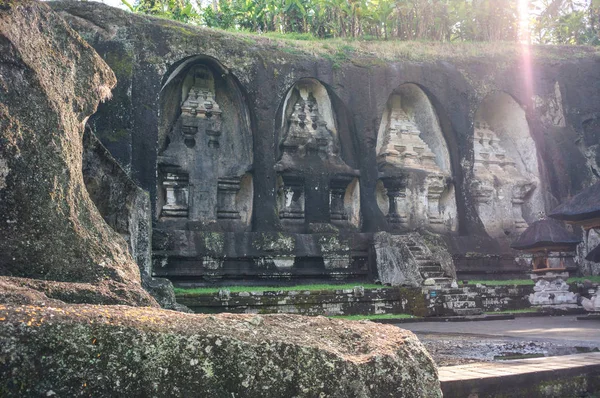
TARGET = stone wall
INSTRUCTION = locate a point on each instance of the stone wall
(361, 301)
(445, 302)
(357, 301)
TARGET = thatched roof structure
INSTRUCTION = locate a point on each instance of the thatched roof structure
(594, 255)
(547, 233)
(583, 206)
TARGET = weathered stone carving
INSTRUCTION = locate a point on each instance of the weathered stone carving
(308, 135)
(337, 191)
(410, 172)
(176, 186)
(402, 146)
(197, 181)
(395, 190)
(310, 161)
(291, 198)
(226, 201)
(551, 289)
(200, 111)
(499, 188)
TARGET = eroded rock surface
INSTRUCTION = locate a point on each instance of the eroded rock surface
(50, 83)
(116, 351)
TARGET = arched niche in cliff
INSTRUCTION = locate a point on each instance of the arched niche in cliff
(506, 180)
(205, 148)
(415, 188)
(318, 182)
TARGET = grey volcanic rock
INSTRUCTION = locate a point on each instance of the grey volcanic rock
(162, 291)
(51, 81)
(395, 265)
(125, 351)
(124, 206)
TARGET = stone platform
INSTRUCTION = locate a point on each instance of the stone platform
(562, 376)
(442, 302)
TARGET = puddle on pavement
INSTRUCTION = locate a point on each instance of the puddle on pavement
(455, 350)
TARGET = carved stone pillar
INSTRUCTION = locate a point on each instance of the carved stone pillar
(519, 192)
(396, 193)
(176, 191)
(291, 206)
(436, 185)
(213, 120)
(227, 190)
(337, 192)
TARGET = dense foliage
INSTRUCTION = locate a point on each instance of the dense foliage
(550, 21)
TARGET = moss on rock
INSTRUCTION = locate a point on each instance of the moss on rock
(51, 81)
(120, 351)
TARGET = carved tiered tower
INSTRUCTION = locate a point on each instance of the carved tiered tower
(193, 185)
(310, 167)
(405, 158)
(498, 186)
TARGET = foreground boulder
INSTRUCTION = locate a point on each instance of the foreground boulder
(50, 83)
(120, 351)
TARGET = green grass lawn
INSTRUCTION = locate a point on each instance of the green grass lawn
(501, 283)
(521, 311)
(238, 289)
(373, 317)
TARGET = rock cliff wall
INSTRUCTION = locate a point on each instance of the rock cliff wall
(547, 152)
(51, 81)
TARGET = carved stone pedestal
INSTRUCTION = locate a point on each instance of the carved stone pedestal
(593, 303)
(436, 184)
(176, 186)
(551, 289)
(337, 192)
(396, 193)
(291, 206)
(226, 198)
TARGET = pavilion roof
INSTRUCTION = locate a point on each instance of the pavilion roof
(583, 206)
(547, 233)
(594, 255)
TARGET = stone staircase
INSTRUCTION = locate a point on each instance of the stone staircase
(449, 301)
(428, 267)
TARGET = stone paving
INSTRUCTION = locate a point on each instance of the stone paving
(517, 367)
(562, 376)
(564, 328)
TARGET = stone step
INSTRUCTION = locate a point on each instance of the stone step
(460, 304)
(430, 268)
(451, 291)
(427, 261)
(468, 311)
(459, 297)
(432, 274)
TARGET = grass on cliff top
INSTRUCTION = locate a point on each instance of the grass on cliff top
(373, 317)
(520, 311)
(239, 289)
(342, 49)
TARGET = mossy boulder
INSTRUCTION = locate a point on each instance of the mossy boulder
(51, 81)
(125, 351)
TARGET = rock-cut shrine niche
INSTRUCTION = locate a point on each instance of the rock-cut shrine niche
(505, 171)
(204, 167)
(317, 181)
(414, 188)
